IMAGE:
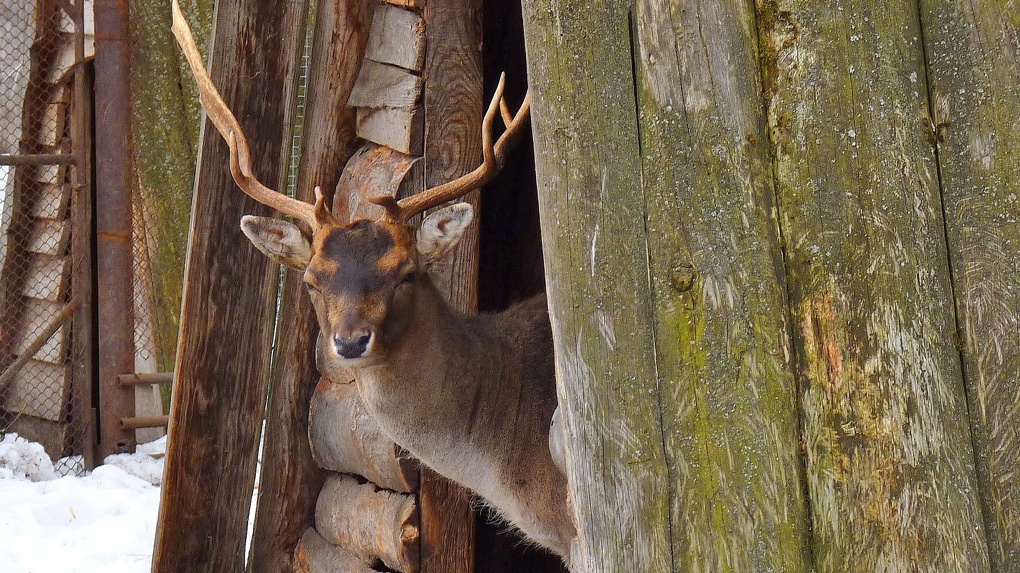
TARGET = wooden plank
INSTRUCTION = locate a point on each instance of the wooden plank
(222, 367)
(49, 237)
(401, 129)
(382, 85)
(453, 101)
(588, 164)
(51, 201)
(52, 435)
(728, 399)
(46, 278)
(371, 523)
(890, 463)
(346, 439)
(973, 112)
(38, 389)
(290, 478)
(397, 37)
(316, 555)
(38, 315)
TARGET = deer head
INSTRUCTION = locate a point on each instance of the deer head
(360, 275)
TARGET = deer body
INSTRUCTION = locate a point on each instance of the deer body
(472, 397)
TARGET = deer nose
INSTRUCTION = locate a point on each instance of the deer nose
(352, 347)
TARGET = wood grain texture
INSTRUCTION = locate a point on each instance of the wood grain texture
(588, 164)
(453, 114)
(316, 555)
(346, 439)
(383, 85)
(728, 394)
(291, 479)
(890, 465)
(373, 170)
(371, 523)
(974, 100)
(397, 37)
(398, 128)
(229, 299)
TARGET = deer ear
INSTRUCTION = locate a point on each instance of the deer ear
(279, 240)
(441, 231)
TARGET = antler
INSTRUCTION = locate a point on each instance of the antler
(494, 157)
(226, 124)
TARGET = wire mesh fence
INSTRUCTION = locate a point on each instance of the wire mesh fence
(45, 352)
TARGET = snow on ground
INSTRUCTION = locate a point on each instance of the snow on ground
(101, 522)
(52, 521)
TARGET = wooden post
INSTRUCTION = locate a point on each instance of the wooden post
(290, 478)
(973, 111)
(890, 465)
(672, 351)
(453, 115)
(229, 300)
(114, 260)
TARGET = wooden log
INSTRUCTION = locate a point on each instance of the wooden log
(230, 292)
(138, 422)
(316, 555)
(345, 438)
(290, 478)
(372, 170)
(382, 85)
(453, 102)
(397, 37)
(973, 111)
(375, 525)
(398, 128)
(146, 378)
(890, 463)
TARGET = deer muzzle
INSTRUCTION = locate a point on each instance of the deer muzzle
(351, 348)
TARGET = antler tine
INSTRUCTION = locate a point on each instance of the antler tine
(217, 111)
(494, 156)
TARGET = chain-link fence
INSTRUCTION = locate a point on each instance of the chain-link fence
(45, 346)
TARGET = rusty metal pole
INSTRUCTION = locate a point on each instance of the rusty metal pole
(113, 225)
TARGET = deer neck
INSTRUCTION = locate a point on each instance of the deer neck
(433, 383)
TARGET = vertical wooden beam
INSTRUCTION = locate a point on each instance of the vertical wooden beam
(453, 115)
(974, 101)
(890, 465)
(588, 164)
(291, 480)
(229, 299)
(113, 225)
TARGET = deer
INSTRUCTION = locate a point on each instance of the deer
(470, 396)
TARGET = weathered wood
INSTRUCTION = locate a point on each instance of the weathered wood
(290, 478)
(316, 555)
(35, 340)
(345, 438)
(46, 277)
(588, 165)
(414, 4)
(36, 388)
(890, 464)
(974, 103)
(49, 237)
(51, 200)
(382, 85)
(453, 102)
(398, 128)
(146, 378)
(138, 422)
(397, 37)
(229, 299)
(114, 277)
(373, 170)
(370, 523)
(727, 391)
